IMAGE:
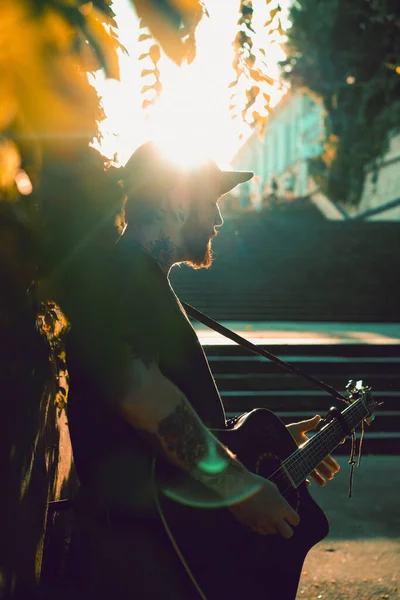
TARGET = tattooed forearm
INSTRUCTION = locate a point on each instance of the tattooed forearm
(161, 412)
(200, 453)
(183, 434)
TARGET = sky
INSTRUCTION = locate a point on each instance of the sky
(191, 120)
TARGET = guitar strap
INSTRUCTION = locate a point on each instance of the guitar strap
(202, 318)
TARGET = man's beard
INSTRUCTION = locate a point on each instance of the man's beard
(199, 251)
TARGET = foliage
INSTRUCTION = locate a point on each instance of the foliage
(173, 24)
(347, 54)
(49, 113)
(245, 63)
(167, 26)
(46, 50)
(58, 196)
(53, 325)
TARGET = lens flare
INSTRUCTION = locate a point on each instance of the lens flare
(23, 183)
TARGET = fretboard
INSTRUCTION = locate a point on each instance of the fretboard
(307, 457)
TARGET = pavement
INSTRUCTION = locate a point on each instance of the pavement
(360, 558)
(280, 332)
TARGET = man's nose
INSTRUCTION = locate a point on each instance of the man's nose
(218, 218)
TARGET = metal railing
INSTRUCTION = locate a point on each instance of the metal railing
(375, 211)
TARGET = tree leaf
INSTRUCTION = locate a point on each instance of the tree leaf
(274, 11)
(258, 75)
(191, 49)
(155, 53)
(255, 74)
(146, 88)
(250, 60)
(248, 25)
(158, 87)
(253, 92)
(247, 10)
(144, 36)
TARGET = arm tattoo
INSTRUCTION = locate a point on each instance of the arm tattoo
(183, 435)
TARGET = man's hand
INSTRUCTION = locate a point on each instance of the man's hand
(328, 467)
(266, 511)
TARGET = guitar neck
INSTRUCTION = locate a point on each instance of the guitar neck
(307, 457)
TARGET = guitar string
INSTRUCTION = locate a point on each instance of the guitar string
(317, 443)
(309, 458)
(320, 440)
(298, 475)
(299, 462)
(296, 463)
(314, 454)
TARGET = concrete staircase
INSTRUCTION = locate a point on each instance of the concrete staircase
(290, 264)
(248, 381)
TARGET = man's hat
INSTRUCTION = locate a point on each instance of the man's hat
(147, 167)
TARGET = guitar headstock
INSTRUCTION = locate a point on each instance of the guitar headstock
(357, 391)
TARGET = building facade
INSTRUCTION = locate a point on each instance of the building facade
(294, 134)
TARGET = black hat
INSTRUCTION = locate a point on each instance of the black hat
(148, 167)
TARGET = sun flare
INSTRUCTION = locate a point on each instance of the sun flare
(190, 122)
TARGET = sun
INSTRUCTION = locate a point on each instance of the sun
(190, 121)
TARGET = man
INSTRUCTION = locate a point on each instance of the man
(140, 386)
(290, 184)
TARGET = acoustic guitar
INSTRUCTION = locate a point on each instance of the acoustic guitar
(227, 560)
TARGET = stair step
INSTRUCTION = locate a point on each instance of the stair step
(356, 368)
(286, 351)
(292, 400)
(275, 382)
(284, 266)
(318, 359)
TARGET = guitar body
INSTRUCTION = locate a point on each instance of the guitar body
(226, 558)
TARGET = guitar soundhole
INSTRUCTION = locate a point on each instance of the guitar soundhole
(269, 465)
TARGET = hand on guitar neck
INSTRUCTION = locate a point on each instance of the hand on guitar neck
(266, 511)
